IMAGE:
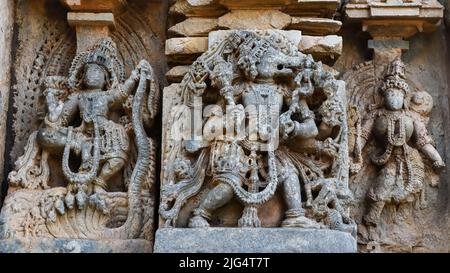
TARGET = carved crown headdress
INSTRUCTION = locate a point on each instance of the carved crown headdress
(103, 53)
(251, 50)
(395, 77)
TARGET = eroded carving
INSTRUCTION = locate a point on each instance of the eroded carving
(395, 119)
(269, 117)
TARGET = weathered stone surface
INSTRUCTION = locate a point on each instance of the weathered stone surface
(6, 34)
(197, 8)
(325, 48)
(312, 8)
(254, 19)
(258, 240)
(53, 245)
(420, 226)
(87, 35)
(188, 45)
(94, 5)
(254, 4)
(194, 27)
(386, 50)
(176, 74)
(315, 26)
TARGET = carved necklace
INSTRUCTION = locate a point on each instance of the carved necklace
(396, 129)
(396, 137)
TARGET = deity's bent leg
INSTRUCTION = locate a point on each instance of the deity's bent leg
(292, 195)
(380, 193)
(373, 215)
(111, 167)
(216, 198)
(52, 139)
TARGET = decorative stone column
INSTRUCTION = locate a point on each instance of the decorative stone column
(392, 22)
(92, 20)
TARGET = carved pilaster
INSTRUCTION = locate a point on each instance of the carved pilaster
(92, 20)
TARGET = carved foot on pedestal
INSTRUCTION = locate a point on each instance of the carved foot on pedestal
(99, 202)
(300, 221)
(198, 222)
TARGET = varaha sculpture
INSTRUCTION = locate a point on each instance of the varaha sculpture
(95, 129)
(272, 118)
(396, 121)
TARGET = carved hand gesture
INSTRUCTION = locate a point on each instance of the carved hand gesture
(330, 147)
(438, 166)
(287, 125)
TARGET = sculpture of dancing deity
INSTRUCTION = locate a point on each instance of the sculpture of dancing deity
(102, 143)
(259, 85)
(402, 136)
(95, 122)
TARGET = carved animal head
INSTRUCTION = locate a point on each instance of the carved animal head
(260, 58)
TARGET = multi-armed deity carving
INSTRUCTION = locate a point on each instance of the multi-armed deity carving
(272, 118)
(93, 137)
(396, 120)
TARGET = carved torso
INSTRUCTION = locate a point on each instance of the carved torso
(393, 126)
(93, 104)
(262, 94)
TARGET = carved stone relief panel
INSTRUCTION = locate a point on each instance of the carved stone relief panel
(85, 164)
(396, 174)
(255, 135)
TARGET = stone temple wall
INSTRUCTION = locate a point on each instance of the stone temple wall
(97, 99)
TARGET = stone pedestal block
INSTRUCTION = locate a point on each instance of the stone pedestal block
(260, 240)
(49, 245)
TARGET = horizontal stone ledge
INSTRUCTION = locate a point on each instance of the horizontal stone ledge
(195, 26)
(94, 5)
(216, 8)
(253, 240)
(315, 26)
(90, 19)
(176, 73)
(432, 12)
(58, 245)
(186, 46)
(312, 8)
(254, 19)
(323, 48)
(197, 8)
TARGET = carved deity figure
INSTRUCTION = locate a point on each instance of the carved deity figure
(272, 118)
(401, 137)
(92, 116)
